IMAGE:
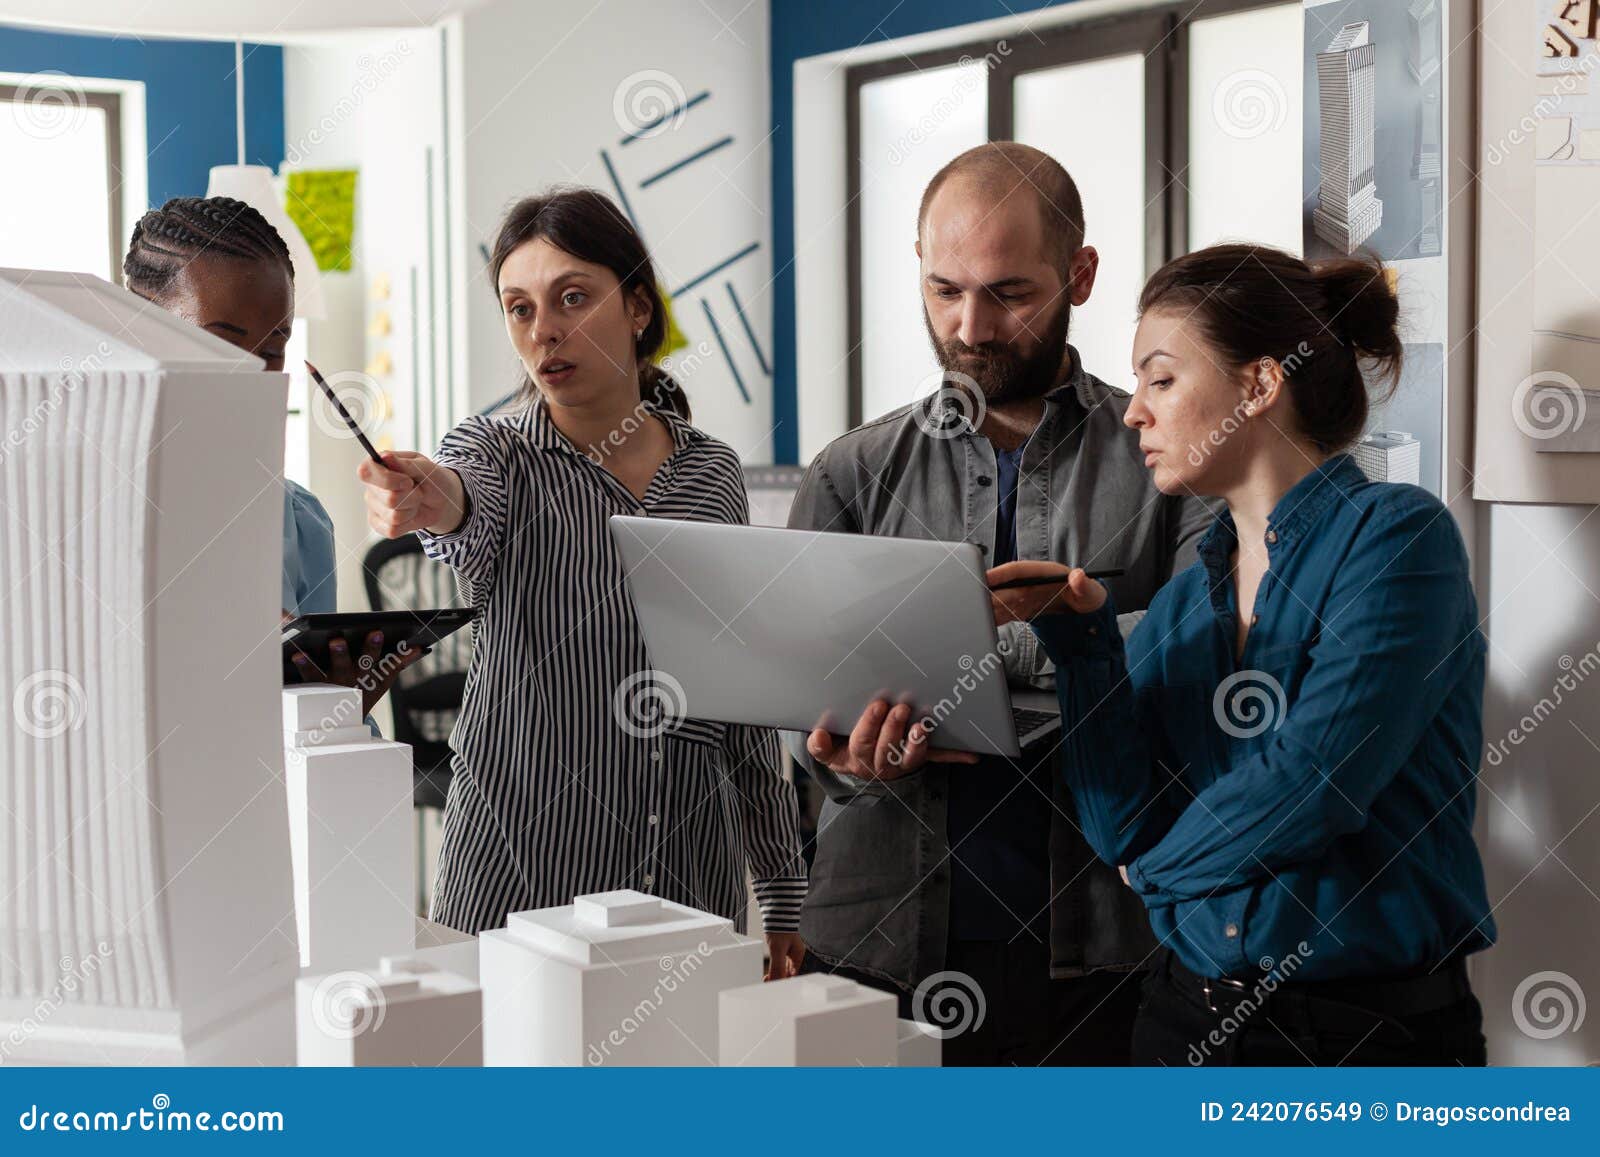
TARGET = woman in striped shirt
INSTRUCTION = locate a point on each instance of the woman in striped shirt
(575, 770)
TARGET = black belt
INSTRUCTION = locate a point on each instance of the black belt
(1397, 996)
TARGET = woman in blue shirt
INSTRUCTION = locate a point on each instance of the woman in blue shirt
(1282, 758)
(220, 264)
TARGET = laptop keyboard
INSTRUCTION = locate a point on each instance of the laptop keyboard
(1027, 721)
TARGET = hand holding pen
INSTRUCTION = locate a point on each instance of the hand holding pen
(1026, 589)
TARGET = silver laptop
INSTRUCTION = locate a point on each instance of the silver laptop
(799, 629)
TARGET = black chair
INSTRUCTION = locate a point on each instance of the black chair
(426, 698)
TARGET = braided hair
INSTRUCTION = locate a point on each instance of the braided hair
(167, 239)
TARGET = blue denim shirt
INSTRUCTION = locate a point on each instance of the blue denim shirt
(1316, 796)
(308, 563)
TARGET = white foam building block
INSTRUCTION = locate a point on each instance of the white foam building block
(405, 1013)
(350, 832)
(320, 707)
(807, 1021)
(446, 949)
(146, 859)
(612, 978)
(920, 1046)
(325, 738)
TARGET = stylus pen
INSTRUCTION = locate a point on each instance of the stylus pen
(345, 414)
(1046, 580)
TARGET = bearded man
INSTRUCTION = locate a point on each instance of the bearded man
(966, 887)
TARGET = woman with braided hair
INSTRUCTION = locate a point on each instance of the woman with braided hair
(217, 262)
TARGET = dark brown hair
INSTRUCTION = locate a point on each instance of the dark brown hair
(1321, 322)
(586, 224)
(1000, 168)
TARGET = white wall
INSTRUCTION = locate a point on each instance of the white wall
(1539, 795)
(372, 103)
(545, 87)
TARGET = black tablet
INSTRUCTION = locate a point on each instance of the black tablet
(413, 630)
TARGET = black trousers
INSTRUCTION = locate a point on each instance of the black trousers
(1026, 1018)
(1295, 1025)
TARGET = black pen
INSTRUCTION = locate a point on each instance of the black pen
(345, 414)
(1046, 580)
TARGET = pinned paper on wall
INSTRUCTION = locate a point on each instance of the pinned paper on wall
(322, 202)
(1568, 109)
(675, 340)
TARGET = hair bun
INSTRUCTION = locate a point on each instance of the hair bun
(1363, 311)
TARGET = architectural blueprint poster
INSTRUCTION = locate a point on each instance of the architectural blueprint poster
(1373, 128)
(1374, 184)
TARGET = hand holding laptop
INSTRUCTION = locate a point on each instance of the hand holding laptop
(884, 745)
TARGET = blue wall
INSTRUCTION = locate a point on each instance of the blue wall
(803, 28)
(189, 97)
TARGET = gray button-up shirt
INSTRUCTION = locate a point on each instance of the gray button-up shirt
(880, 887)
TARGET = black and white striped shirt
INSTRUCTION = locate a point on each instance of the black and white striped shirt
(567, 780)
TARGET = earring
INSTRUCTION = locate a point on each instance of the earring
(637, 334)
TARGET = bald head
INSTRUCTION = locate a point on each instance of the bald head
(998, 172)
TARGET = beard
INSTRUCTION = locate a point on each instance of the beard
(1007, 371)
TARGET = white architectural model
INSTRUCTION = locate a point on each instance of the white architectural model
(349, 829)
(145, 860)
(1389, 456)
(407, 1013)
(1348, 210)
(808, 1021)
(446, 949)
(920, 1046)
(612, 978)
(1422, 39)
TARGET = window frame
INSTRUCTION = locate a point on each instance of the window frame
(1161, 32)
(110, 103)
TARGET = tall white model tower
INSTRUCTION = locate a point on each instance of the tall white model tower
(146, 914)
(350, 831)
(1348, 210)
